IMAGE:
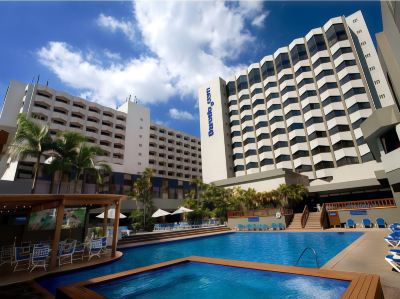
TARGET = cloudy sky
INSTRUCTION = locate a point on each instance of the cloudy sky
(158, 52)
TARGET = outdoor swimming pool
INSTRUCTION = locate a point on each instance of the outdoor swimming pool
(275, 248)
(199, 280)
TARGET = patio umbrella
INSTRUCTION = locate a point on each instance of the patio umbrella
(182, 210)
(160, 213)
(111, 214)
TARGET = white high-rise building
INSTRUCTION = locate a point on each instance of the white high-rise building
(130, 141)
(296, 114)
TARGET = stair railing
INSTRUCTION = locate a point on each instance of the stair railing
(313, 251)
(323, 219)
(304, 216)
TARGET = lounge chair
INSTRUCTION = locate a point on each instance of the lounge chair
(394, 227)
(367, 223)
(95, 248)
(380, 222)
(393, 239)
(264, 227)
(39, 257)
(104, 245)
(394, 261)
(350, 223)
(281, 226)
(7, 255)
(395, 251)
(66, 253)
(240, 227)
(275, 226)
(79, 251)
(22, 255)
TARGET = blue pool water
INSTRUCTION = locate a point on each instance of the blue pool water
(198, 280)
(274, 248)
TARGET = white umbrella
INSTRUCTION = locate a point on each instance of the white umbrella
(182, 210)
(160, 213)
(111, 214)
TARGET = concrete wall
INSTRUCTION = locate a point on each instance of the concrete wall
(232, 222)
(390, 215)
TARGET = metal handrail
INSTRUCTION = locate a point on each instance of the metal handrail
(361, 204)
(313, 251)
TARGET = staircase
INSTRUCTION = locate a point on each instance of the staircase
(156, 236)
(313, 221)
(296, 222)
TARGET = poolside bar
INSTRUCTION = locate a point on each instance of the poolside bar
(59, 202)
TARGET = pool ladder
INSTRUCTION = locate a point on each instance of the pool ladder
(313, 251)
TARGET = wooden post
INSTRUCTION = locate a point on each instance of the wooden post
(105, 220)
(56, 237)
(115, 230)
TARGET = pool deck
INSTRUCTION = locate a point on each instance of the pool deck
(367, 255)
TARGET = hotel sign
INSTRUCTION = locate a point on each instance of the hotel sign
(210, 104)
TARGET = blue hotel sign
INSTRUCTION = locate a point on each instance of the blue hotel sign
(358, 212)
(253, 219)
(209, 113)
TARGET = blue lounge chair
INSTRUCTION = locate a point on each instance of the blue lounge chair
(264, 227)
(367, 222)
(394, 227)
(275, 226)
(241, 227)
(281, 226)
(380, 222)
(39, 257)
(66, 253)
(395, 251)
(393, 239)
(350, 223)
(394, 261)
(22, 255)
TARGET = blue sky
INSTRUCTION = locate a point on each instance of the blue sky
(160, 52)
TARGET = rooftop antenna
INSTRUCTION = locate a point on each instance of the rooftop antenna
(129, 98)
(47, 83)
(37, 81)
(136, 100)
(33, 79)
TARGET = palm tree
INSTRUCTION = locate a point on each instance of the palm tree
(66, 146)
(102, 169)
(291, 194)
(31, 139)
(86, 159)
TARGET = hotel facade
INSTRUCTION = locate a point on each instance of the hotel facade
(295, 116)
(130, 141)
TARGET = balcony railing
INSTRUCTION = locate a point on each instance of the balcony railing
(263, 212)
(361, 204)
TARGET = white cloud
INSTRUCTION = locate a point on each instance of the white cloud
(189, 44)
(111, 55)
(259, 20)
(180, 114)
(112, 24)
(108, 85)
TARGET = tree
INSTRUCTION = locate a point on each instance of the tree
(142, 190)
(102, 169)
(86, 160)
(67, 145)
(291, 194)
(31, 139)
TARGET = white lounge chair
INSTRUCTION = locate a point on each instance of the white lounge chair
(393, 239)
(39, 257)
(7, 255)
(96, 246)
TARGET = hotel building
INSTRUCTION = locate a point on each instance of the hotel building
(295, 116)
(130, 141)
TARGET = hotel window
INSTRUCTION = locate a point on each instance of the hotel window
(254, 76)
(336, 33)
(316, 43)
(282, 62)
(341, 51)
(241, 83)
(289, 101)
(298, 53)
(302, 69)
(267, 69)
